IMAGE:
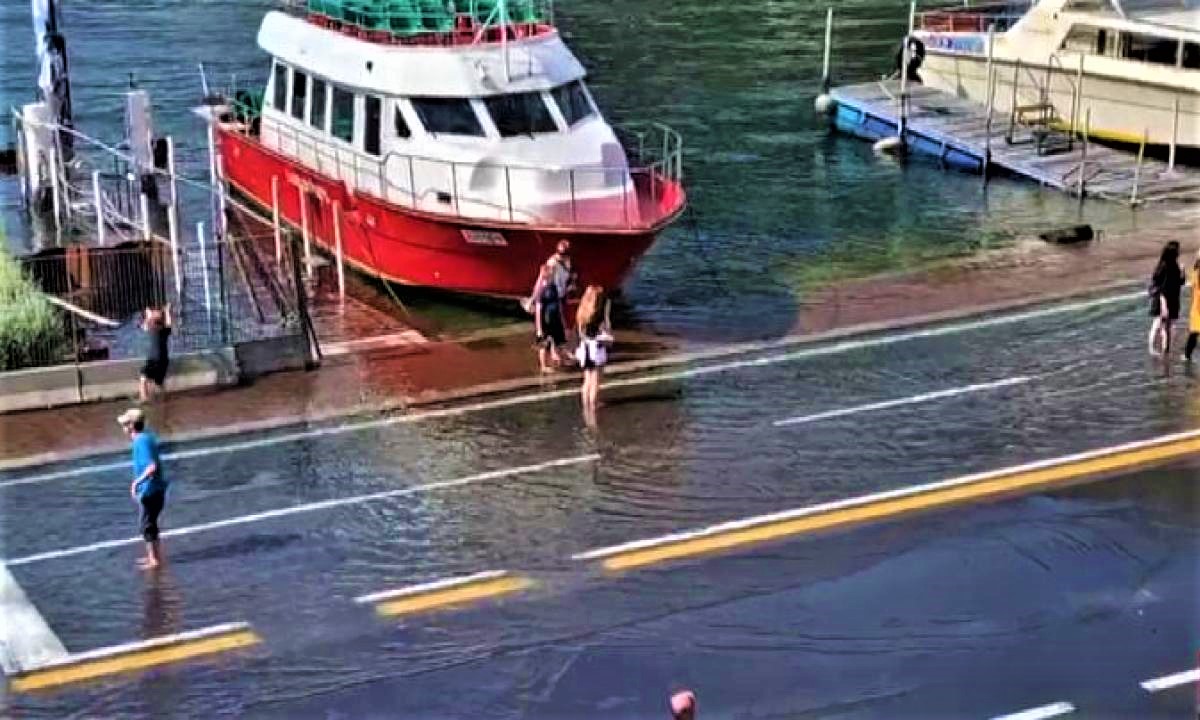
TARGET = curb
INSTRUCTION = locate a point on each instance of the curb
(435, 398)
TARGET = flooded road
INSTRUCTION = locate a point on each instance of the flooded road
(1074, 595)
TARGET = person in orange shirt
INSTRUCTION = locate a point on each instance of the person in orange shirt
(1194, 314)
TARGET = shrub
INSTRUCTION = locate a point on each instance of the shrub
(31, 330)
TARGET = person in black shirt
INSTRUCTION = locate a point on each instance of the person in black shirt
(1165, 286)
(157, 324)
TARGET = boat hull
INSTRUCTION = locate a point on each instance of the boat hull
(414, 248)
(1121, 110)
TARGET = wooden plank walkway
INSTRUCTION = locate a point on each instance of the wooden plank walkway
(941, 123)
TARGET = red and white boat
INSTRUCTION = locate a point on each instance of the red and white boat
(448, 144)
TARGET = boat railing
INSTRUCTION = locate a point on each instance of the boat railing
(972, 18)
(439, 22)
(640, 191)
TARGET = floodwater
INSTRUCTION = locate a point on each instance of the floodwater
(1075, 595)
(779, 204)
(968, 613)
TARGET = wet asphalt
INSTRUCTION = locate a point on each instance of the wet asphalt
(1075, 595)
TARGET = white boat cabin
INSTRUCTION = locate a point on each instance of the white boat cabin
(502, 131)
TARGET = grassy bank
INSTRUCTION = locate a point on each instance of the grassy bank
(31, 332)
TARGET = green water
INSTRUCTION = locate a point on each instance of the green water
(780, 205)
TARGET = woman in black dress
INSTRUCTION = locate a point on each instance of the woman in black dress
(1165, 286)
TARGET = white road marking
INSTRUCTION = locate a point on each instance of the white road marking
(141, 645)
(26, 641)
(911, 400)
(832, 348)
(430, 587)
(307, 508)
(1171, 681)
(873, 498)
(1040, 713)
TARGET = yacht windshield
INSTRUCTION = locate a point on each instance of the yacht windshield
(520, 114)
(573, 102)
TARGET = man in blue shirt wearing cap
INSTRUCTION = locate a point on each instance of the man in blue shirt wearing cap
(149, 486)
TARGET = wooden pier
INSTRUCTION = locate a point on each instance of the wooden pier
(959, 133)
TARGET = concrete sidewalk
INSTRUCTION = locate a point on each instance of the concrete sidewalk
(439, 372)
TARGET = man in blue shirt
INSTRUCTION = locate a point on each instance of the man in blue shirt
(149, 486)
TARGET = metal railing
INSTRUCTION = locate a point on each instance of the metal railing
(638, 193)
(456, 21)
(972, 19)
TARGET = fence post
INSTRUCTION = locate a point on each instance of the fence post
(991, 98)
(97, 200)
(204, 272)
(74, 329)
(54, 187)
(144, 201)
(173, 232)
(275, 219)
(337, 234)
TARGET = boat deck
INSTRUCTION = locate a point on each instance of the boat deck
(956, 131)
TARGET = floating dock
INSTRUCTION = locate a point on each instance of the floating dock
(957, 132)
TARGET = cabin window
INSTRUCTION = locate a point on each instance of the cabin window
(299, 94)
(520, 114)
(1191, 56)
(280, 89)
(320, 96)
(374, 114)
(573, 102)
(1149, 48)
(453, 116)
(398, 122)
(342, 116)
(1085, 39)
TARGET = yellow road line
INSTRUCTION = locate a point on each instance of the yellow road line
(454, 596)
(885, 506)
(70, 671)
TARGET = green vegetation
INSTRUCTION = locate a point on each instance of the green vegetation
(31, 332)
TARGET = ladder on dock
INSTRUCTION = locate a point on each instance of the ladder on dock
(1039, 147)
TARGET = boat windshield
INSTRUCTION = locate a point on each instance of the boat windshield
(520, 114)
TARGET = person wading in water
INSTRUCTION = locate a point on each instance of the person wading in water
(1165, 286)
(149, 486)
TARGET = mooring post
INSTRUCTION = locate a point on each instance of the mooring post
(1137, 170)
(1174, 136)
(337, 234)
(204, 271)
(98, 203)
(275, 219)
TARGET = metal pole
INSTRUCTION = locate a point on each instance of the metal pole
(412, 182)
(1137, 171)
(991, 98)
(1077, 100)
(508, 191)
(1174, 136)
(98, 202)
(62, 174)
(912, 13)
(337, 234)
(144, 201)
(828, 49)
(204, 270)
(574, 209)
(275, 218)
(54, 186)
(173, 231)
(1087, 124)
(222, 226)
(171, 171)
(454, 182)
(304, 233)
